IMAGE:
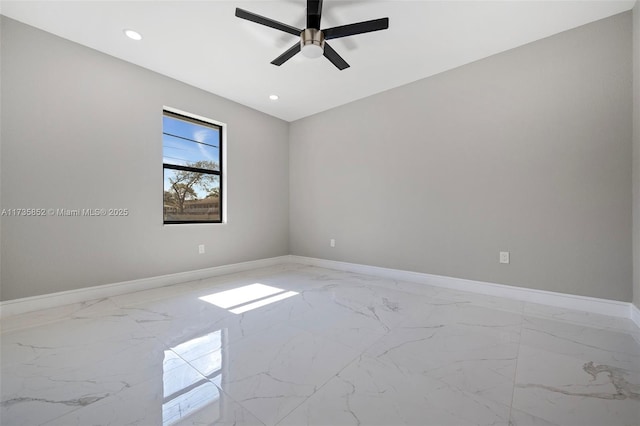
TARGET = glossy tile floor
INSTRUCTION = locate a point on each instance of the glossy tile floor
(296, 345)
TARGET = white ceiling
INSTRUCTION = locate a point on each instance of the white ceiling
(202, 43)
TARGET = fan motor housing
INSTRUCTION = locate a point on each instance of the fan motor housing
(312, 42)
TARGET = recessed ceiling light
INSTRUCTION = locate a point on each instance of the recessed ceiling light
(133, 35)
(274, 97)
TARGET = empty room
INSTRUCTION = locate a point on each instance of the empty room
(322, 213)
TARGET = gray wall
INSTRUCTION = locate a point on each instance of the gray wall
(81, 129)
(528, 151)
(636, 154)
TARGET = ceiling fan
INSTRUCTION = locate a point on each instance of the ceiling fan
(312, 39)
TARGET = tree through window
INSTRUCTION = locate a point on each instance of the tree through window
(192, 165)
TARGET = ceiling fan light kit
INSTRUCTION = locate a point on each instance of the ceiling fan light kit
(312, 42)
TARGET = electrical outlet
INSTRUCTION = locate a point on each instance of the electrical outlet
(332, 242)
(504, 257)
(201, 249)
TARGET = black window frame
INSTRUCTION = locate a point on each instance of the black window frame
(200, 122)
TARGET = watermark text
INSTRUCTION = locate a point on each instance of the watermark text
(60, 212)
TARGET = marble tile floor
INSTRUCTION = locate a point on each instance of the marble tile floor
(298, 345)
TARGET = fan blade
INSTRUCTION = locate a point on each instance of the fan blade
(287, 55)
(314, 13)
(243, 14)
(359, 28)
(333, 56)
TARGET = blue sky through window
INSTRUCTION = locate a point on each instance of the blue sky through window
(184, 143)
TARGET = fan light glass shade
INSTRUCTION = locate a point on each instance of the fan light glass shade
(312, 51)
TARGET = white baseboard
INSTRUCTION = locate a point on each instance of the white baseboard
(549, 298)
(635, 314)
(561, 300)
(53, 300)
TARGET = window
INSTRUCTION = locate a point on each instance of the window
(192, 166)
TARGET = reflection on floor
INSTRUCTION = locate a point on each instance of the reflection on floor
(296, 345)
(185, 394)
